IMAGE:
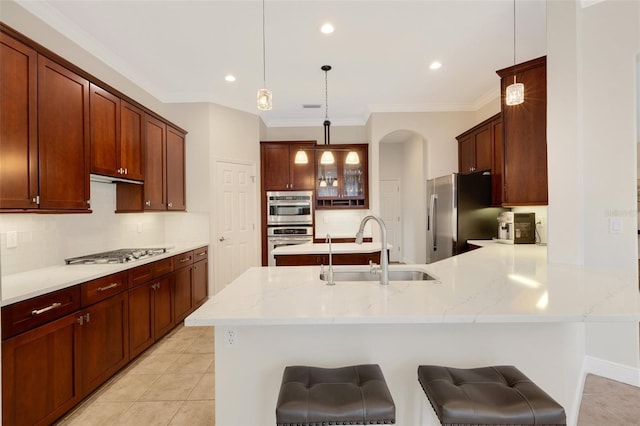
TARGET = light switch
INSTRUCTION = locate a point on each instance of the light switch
(12, 239)
(615, 225)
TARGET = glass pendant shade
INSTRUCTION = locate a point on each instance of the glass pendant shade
(265, 100)
(301, 157)
(352, 158)
(327, 158)
(335, 182)
(515, 93)
(323, 183)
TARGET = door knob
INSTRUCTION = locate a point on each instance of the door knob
(221, 239)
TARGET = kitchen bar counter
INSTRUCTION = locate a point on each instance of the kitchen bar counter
(497, 305)
(25, 285)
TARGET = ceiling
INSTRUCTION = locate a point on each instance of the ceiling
(380, 51)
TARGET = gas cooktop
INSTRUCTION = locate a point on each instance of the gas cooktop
(116, 256)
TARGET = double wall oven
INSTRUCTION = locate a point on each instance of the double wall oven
(289, 220)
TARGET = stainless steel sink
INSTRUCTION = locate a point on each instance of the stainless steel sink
(394, 275)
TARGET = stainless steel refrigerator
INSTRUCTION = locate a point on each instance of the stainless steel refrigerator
(459, 210)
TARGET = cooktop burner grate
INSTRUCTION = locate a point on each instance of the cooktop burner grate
(116, 256)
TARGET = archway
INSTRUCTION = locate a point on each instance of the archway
(402, 164)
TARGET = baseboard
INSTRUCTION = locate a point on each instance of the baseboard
(611, 370)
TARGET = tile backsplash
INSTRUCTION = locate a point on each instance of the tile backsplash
(46, 240)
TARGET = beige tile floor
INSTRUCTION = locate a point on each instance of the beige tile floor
(172, 384)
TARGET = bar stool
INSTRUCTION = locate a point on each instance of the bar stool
(313, 396)
(496, 395)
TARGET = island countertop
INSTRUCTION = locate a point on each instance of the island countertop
(323, 248)
(495, 284)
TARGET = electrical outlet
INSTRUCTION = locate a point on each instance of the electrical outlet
(12, 239)
(230, 337)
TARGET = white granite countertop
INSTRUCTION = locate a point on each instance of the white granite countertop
(323, 248)
(25, 285)
(498, 283)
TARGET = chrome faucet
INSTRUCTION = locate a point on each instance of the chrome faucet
(384, 260)
(330, 272)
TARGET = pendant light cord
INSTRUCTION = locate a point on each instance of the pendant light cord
(514, 32)
(326, 96)
(264, 54)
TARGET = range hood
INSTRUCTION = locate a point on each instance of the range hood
(111, 179)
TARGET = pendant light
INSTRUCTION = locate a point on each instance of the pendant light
(265, 97)
(515, 91)
(301, 157)
(352, 158)
(327, 156)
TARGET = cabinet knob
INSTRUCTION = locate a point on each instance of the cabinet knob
(147, 203)
(170, 205)
(221, 239)
(126, 171)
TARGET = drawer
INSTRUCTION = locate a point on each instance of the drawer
(182, 260)
(162, 267)
(31, 313)
(140, 275)
(102, 288)
(201, 254)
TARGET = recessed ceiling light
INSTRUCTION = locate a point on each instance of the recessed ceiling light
(327, 28)
(435, 65)
(229, 78)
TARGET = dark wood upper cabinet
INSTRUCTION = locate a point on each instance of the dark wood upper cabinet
(176, 191)
(279, 169)
(525, 135)
(18, 126)
(345, 182)
(105, 132)
(155, 185)
(63, 137)
(132, 140)
(117, 148)
(480, 148)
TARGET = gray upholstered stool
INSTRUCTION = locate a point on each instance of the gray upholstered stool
(499, 395)
(334, 396)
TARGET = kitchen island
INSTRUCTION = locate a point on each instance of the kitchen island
(496, 305)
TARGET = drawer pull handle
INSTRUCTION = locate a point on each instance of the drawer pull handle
(109, 287)
(202, 254)
(185, 259)
(47, 309)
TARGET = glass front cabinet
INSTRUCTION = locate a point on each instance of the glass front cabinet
(342, 177)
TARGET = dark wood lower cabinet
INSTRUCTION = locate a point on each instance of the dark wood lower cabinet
(83, 335)
(40, 379)
(323, 259)
(150, 314)
(104, 340)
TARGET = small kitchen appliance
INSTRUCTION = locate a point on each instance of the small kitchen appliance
(517, 228)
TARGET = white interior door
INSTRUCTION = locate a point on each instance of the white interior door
(391, 214)
(235, 236)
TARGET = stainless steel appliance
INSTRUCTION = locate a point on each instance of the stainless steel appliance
(458, 210)
(505, 227)
(280, 236)
(524, 228)
(116, 256)
(289, 207)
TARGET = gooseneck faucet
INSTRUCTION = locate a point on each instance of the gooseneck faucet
(330, 272)
(384, 260)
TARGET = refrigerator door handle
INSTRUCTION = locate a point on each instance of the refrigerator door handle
(432, 220)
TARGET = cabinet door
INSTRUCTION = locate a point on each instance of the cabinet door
(155, 164)
(466, 155)
(275, 166)
(132, 141)
(63, 137)
(141, 326)
(483, 149)
(163, 307)
(200, 288)
(175, 170)
(18, 127)
(40, 373)
(301, 176)
(182, 297)
(104, 340)
(105, 132)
